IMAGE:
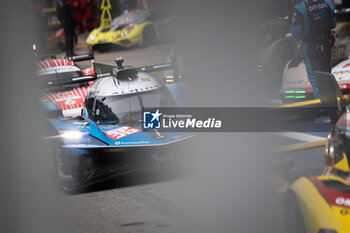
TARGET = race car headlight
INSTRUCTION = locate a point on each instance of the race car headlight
(72, 134)
(76, 137)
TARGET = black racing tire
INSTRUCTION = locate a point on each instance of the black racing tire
(293, 218)
(58, 170)
(149, 36)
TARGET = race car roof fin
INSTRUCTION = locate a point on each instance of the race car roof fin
(102, 68)
(119, 61)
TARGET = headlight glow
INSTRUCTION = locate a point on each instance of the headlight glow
(92, 37)
(72, 134)
(78, 138)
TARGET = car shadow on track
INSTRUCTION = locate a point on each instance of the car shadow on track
(135, 178)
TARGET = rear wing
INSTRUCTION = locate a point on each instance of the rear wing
(102, 69)
(118, 70)
(77, 58)
(65, 82)
(331, 98)
(84, 57)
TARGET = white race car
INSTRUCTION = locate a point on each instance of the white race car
(296, 86)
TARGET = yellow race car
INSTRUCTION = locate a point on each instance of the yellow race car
(138, 27)
(318, 205)
(321, 204)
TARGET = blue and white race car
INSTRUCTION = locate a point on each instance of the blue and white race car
(107, 139)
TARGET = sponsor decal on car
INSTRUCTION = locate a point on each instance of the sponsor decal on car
(67, 100)
(343, 86)
(121, 132)
(333, 197)
(346, 65)
(83, 127)
(295, 82)
(80, 123)
(345, 212)
(132, 143)
(341, 72)
(342, 201)
(340, 50)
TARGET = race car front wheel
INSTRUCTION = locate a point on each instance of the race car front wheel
(62, 175)
(73, 171)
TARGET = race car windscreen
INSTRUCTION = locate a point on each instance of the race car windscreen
(124, 108)
(128, 18)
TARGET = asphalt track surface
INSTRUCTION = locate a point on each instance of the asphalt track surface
(148, 201)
